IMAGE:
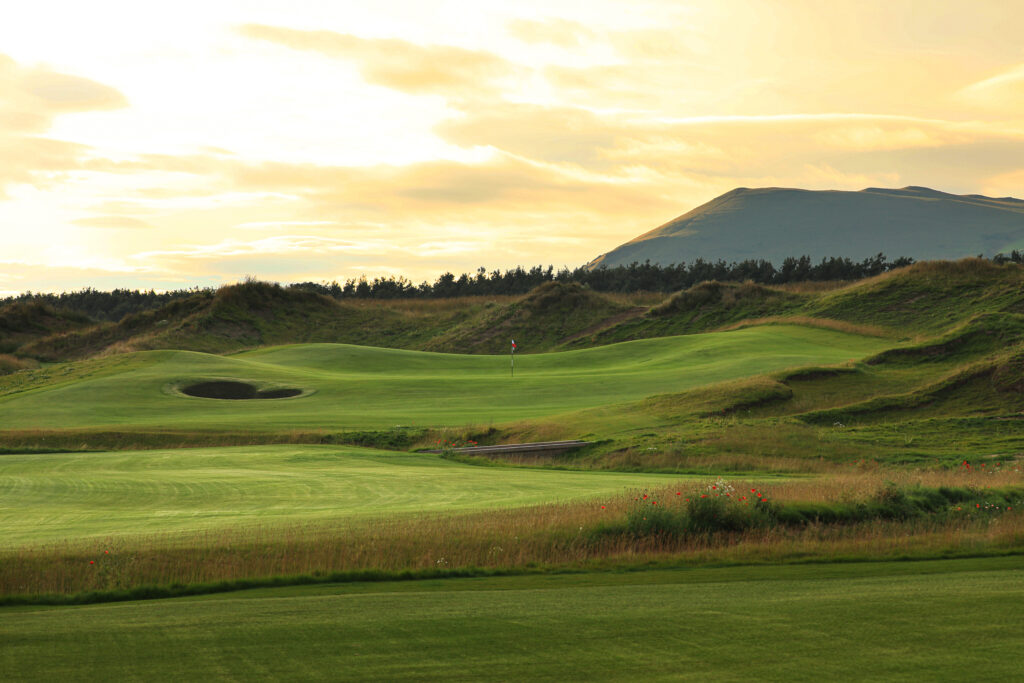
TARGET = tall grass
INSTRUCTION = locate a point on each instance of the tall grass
(823, 323)
(9, 364)
(559, 535)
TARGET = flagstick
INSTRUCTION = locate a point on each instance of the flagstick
(512, 359)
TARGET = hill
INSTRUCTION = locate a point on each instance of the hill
(775, 223)
(254, 314)
(925, 299)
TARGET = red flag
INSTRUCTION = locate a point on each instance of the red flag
(514, 347)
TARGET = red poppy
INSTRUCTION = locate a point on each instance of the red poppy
(679, 493)
(602, 507)
(91, 562)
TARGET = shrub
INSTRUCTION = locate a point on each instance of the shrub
(715, 508)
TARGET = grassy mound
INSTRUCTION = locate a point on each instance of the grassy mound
(541, 320)
(23, 323)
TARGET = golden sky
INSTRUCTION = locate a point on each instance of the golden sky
(194, 143)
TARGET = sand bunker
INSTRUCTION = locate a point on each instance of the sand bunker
(235, 390)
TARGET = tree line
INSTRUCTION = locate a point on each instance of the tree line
(647, 276)
(635, 277)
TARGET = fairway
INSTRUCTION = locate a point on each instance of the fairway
(352, 387)
(76, 496)
(936, 620)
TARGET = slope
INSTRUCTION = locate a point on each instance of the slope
(776, 223)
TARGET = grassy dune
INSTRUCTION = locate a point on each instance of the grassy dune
(944, 620)
(371, 388)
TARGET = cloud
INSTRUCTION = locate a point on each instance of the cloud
(560, 32)
(30, 99)
(1004, 91)
(116, 222)
(277, 225)
(17, 277)
(503, 189)
(396, 64)
(676, 46)
(558, 134)
(1005, 184)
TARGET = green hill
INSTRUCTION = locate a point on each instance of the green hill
(775, 223)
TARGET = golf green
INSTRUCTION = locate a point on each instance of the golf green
(352, 387)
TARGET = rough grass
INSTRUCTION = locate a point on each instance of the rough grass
(9, 364)
(565, 534)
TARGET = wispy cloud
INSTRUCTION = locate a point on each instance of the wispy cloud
(114, 222)
(30, 99)
(393, 63)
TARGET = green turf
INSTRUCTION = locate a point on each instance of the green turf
(370, 388)
(944, 620)
(74, 496)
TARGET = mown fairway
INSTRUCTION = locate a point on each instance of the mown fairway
(75, 496)
(371, 388)
(941, 620)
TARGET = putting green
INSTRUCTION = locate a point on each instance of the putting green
(73, 496)
(352, 387)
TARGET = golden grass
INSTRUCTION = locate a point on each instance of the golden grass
(812, 286)
(429, 307)
(9, 364)
(562, 535)
(823, 323)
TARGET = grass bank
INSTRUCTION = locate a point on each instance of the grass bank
(856, 517)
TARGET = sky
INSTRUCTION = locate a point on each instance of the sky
(173, 145)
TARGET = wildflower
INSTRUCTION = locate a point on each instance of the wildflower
(602, 507)
(91, 562)
(679, 493)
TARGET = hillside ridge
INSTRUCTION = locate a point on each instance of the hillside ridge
(775, 222)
